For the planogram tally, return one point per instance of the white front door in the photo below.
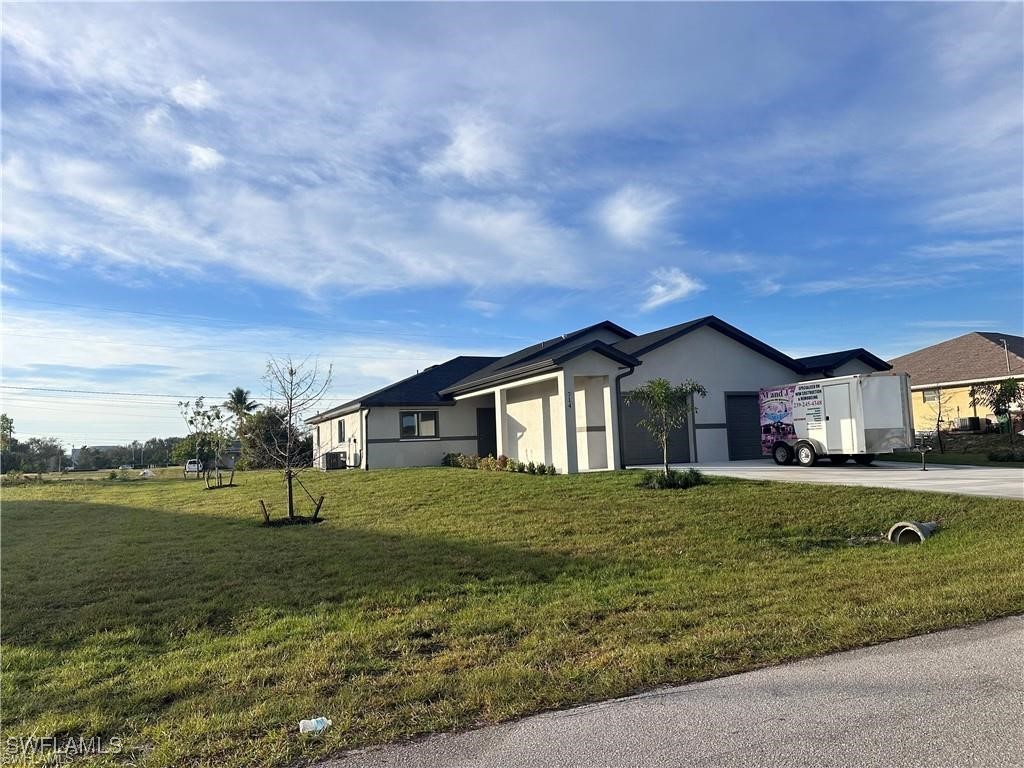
(838, 424)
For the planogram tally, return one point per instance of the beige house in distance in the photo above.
(561, 401)
(942, 375)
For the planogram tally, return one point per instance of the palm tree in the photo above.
(239, 404)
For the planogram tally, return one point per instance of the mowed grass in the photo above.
(435, 599)
(934, 457)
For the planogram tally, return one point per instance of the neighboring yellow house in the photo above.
(941, 377)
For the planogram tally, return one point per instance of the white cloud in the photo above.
(669, 285)
(203, 158)
(329, 184)
(195, 95)
(952, 324)
(485, 308)
(155, 117)
(765, 286)
(634, 213)
(477, 151)
(511, 242)
(138, 353)
(998, 249)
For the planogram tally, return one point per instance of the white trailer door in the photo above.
(838, 422)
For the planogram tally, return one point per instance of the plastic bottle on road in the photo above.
(316, 725)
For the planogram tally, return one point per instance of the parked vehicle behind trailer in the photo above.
(845, 417)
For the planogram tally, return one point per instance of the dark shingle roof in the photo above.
(421, 389)
(638, 345)
(832, 360)
(969, 357)
(535, 356)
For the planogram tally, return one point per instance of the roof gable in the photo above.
(535, 356)
(422, 388)
(970, 357)
(832, 360)
(640, 345)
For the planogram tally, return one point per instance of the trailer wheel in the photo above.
(864, 459)
(805, 455)
(782, 454)
(839, 458)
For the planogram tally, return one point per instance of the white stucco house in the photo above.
(561, 401)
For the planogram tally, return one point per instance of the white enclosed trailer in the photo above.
(844, 417)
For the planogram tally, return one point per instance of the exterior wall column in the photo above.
(501, 420)
(567, 427)
(611, 424)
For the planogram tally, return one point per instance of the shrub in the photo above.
(16, 477)
(520, 467)
(674, 479)
(112, 475)
(469, 462)
(451, 460)
(542, 469)
(501, 463)
(531, 468)
(1006, 455)
(552, 470)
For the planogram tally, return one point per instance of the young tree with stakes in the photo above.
(294, 388)
(940, 407)
(212, 434)
(668, 408)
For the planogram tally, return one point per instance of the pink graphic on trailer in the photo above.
(776, 405)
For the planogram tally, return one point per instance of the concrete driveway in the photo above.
(948, 699)
(1006, 482)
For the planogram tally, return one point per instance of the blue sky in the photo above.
(189, 188)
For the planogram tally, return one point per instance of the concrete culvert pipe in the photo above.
(910, 532)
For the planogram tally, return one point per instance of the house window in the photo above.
(417, 424)
(341, 430)
(930, 395)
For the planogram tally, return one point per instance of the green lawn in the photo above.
(434, 599)
(934, 457)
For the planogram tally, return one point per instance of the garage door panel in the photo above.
(638, 447)
(743, 427)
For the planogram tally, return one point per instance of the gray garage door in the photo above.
(638, 447)
(743, 426)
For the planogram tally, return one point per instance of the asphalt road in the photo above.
(949, 699)
(1005, 482)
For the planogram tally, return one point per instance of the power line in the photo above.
(243, 323)
(69, 392)
(94, 392)
(179, 348)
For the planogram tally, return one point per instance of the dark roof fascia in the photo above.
(541, 366)
(345, 410)
(341, 410)
(540, 348)
(842, 358)
(601, 348)
(374, 398)
(734, 333)
(615, 328)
